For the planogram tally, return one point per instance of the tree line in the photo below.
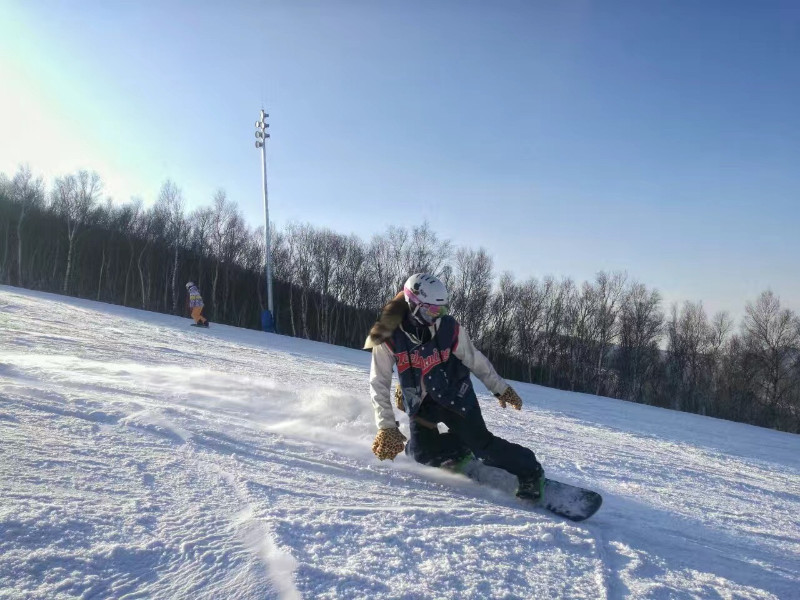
(611, 336)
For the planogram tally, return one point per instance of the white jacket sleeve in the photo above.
(380, 384)
(476, 362)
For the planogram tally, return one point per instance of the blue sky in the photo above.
(660, 138)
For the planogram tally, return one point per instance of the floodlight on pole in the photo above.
(268, 320)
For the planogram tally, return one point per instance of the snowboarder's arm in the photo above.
(380, 383)
(467, 353)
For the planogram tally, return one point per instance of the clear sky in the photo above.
(660, 138)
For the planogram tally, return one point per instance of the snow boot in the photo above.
(456, 465)
(531, 488)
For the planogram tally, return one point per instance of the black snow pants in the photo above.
(465, 433)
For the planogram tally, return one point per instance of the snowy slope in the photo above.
(143, 458)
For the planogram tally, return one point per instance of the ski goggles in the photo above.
(431, 312)
(428, 312)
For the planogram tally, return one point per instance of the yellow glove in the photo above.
(398, 399)
(510, 397)
(388, 443)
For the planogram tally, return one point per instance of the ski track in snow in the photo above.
(142, 458)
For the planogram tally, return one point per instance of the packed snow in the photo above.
(143, 458)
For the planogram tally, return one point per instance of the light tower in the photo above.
(268, 319)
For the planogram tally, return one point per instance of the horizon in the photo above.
(623, 138)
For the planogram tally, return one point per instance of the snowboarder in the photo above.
(194, 302)
(434, 357)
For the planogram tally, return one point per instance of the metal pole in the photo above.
(268, 252)
(267, 317)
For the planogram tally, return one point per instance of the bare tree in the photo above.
(426, 252)
(687, 335)
(772, 341)
(355, 285)
(27, 193)
(237, 235)
(127, 222)
(251, 259)
(333, 248)
(498, 340)
(529, 323)
(562, 342)
(609, 290)
(171, 204)
(74, 198)
(581, 326)
(105, 221)
(641, 329)
(222, 217)
(147, 227)
(304, 249)
(200, 228)
(284, 255)
(324, 264)
(390, 262)
(471, 289)
(5, 201)
(552, 324)
(398, 254)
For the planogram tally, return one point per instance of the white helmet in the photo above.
(427, 298)
(189, 284)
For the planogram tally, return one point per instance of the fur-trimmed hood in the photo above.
(391, 317)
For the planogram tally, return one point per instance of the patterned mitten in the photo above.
(510, 397)
(388, 443)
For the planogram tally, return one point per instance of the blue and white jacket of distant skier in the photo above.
(439, 368)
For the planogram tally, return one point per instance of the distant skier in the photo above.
(434, 357)
(194, 302)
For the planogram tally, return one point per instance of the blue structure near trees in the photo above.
(267, 322)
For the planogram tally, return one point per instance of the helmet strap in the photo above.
(418, 319)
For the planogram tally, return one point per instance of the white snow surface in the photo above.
(143, 458)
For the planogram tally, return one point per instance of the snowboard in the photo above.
(198, 325)
(568, 501)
